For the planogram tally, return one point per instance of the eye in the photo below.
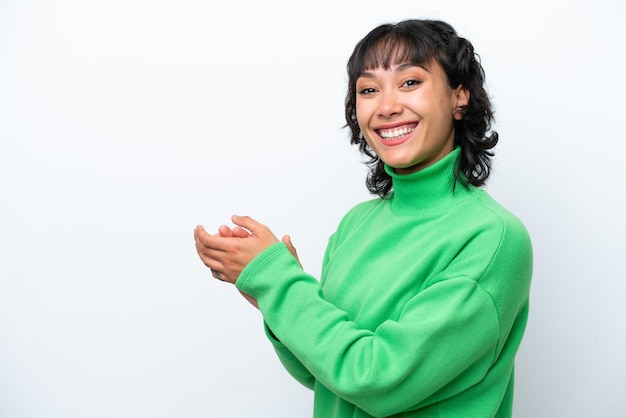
(367, 90)
(412, 82)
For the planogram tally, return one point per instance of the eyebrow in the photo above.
(400, 67)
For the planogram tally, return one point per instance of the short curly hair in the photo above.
(420, 42)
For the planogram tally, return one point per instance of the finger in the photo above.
(198, 230)
(241, 232)
(212, 249)
(287, 241)
(207, 240)
(225, 231)
(199, 233)
(250, 224)
(210, 258)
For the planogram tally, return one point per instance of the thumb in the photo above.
(287, 241)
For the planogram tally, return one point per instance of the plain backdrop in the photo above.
(125, 123)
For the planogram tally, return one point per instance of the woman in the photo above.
(423, 298)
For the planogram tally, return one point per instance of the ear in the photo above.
(462, 99)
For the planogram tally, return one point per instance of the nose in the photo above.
(389, 105)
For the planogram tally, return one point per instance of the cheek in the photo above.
(363, 112)
(361, 122)
(359, 113)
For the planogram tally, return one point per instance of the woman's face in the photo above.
(406, 114)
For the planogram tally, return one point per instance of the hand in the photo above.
(224, 231)
(230, 250)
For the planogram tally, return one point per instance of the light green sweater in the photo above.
(421, 308)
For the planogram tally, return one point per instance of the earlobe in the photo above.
(462, 99)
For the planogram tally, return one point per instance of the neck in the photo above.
(433, 188)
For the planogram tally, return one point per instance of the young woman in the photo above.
(423, 298)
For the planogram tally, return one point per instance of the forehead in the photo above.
(398, 70)
(391, 51)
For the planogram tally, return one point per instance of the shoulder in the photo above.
(487, 235)
(506, 224)
(482, 216)
(500, 238)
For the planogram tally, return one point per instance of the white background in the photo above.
(123, 124)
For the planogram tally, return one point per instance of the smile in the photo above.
(397, 132)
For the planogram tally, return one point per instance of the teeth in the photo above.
(396, 133)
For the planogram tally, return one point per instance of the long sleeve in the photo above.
(444, 340)
(420, 309)
(290, 362)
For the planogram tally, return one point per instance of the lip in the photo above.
(397, 140)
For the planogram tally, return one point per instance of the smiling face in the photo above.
(406, 114)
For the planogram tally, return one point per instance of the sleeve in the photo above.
(289, 361)
(443, 342)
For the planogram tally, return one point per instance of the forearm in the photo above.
(291, 363)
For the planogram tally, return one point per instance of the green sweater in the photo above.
(420, 309)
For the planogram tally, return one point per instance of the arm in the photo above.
(445, 340)
(432, 350)
(290, 362)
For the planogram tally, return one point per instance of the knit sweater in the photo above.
(420, 309)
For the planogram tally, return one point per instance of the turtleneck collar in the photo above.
(430, 189)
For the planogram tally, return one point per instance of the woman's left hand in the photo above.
(227, 253)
